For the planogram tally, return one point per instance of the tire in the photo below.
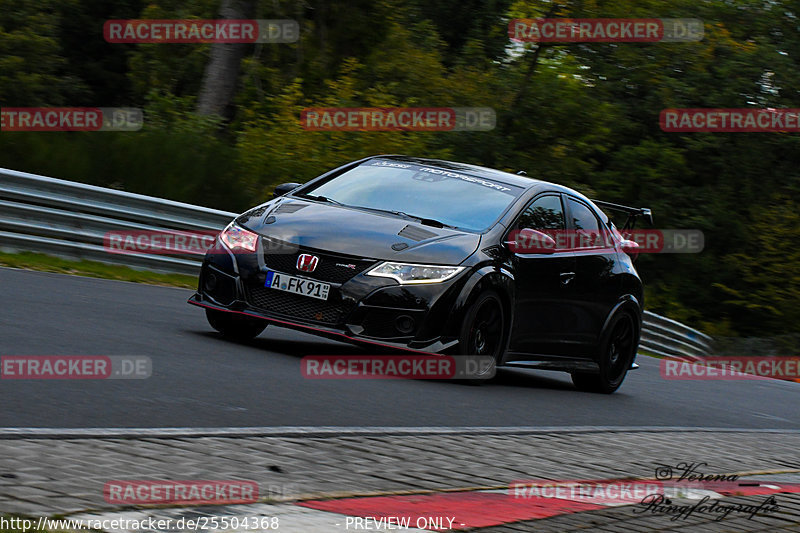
(234, 326)
(484, 331)
(616, 357)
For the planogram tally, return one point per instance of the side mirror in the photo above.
(631, 248)
(285, 188)
(531, 241)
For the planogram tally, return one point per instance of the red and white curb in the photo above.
(435, 512)
(486, 508)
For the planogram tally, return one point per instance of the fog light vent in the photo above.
(404, 324)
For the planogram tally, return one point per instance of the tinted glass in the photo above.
(586, 225)
(466, 201)
(544, 213)
(582, 217)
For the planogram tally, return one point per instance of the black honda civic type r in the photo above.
(425, 255)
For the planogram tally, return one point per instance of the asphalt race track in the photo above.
(201, 380)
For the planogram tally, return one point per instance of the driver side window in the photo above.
(544, 213)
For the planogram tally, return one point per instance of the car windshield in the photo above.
(451, 198)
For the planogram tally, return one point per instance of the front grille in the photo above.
(327, 269)
(291, 305)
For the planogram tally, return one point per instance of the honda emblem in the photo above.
(307, 262)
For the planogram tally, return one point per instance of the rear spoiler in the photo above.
(633, 212)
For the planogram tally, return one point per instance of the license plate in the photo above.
(295, 285)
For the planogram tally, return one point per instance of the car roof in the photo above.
(507, 178)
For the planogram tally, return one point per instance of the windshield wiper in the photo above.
(321, 198)
(431, 222)
(422, 220)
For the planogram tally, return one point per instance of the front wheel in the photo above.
(234, 326)
(484, 332)
(615, 359)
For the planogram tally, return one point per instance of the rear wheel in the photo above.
(484, 331)
(615, 360)
(235, 326)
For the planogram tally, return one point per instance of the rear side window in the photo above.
(544, 213)
(587, 227)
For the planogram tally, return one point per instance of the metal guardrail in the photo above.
(669, 338)
(70, 219)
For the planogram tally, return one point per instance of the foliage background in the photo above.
(583, 115)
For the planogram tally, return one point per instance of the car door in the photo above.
(595, 289)
(541, 315)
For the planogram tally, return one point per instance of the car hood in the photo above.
(358, 233)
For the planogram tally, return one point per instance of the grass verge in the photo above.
(93, 269)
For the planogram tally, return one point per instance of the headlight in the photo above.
(410, 273)
(235, 237)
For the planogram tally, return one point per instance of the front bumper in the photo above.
(361, 309)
